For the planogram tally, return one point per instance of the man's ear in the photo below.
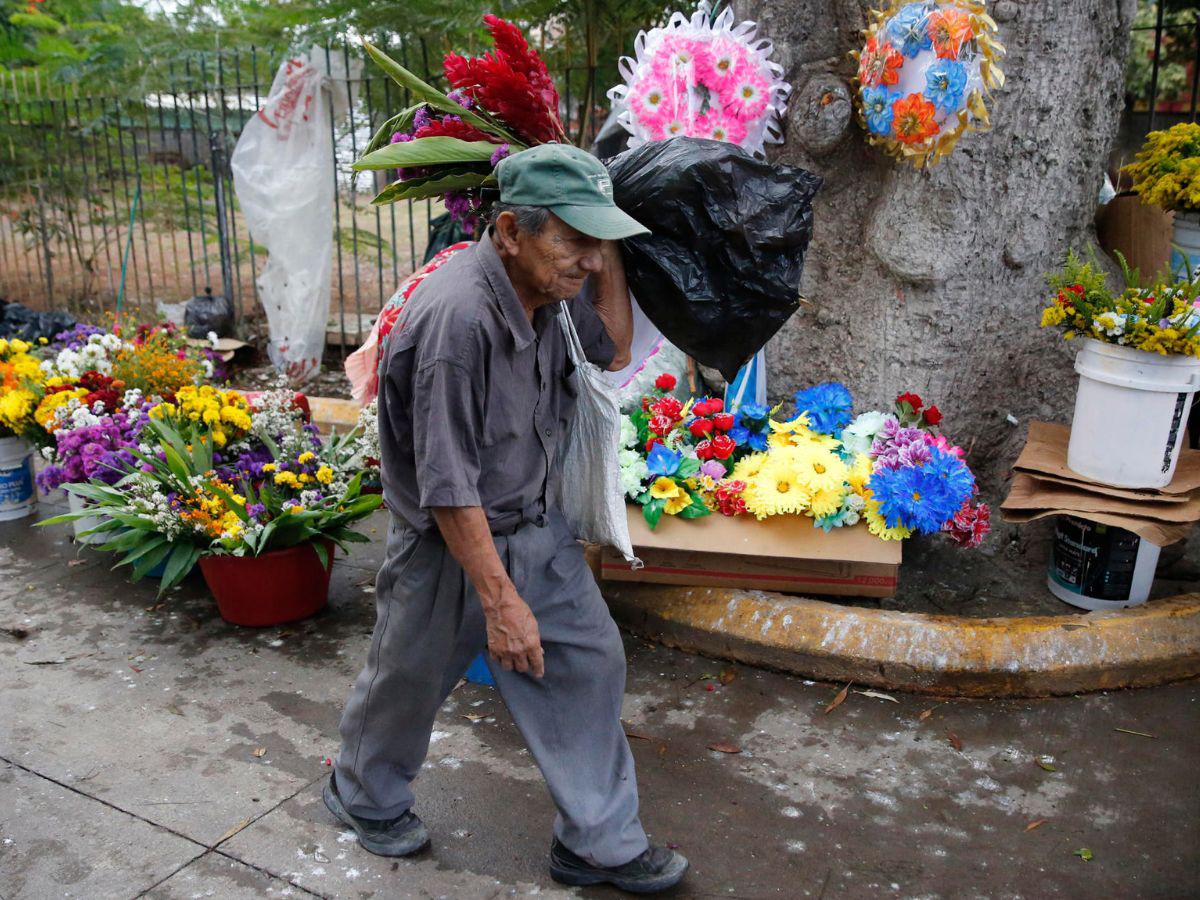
(506, 229)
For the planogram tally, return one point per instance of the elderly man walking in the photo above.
(475, 398)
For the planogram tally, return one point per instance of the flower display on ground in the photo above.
(895, 471)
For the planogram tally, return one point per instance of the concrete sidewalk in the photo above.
(153, 750)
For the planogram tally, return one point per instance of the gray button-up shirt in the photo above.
(474, 399)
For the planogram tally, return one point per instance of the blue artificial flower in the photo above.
(754, 412)
(740, 435)
(877, 108)
(662, 461)
(908, 29)
(923, 497)
(758, 441)
(828, 407)
(945, 82)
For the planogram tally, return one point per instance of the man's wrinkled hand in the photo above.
(513, 638)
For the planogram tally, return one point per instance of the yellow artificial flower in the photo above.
(748, 467)
(860, 473)
(825, 502)
(776, 491)
(878, 525)
(665, 488)
(675, 505)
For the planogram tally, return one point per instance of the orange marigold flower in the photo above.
(949, 29)
(912, 119)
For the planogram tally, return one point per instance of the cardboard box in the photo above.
(1140, 232)
(780, 553)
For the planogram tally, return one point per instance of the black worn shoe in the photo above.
(401, 836)
(655, 870)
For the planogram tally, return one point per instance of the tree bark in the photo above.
(933, 281)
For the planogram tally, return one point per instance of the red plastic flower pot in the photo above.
(279, 586)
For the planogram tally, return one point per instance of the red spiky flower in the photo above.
(511, 83)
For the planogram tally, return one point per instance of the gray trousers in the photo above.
(430, 626)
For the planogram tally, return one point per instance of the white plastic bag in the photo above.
(283, 174)
(591, 496)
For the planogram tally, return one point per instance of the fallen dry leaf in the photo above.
(19, 633)
(174, 710)
(725, 748)
(476, 717)
(1036, 823)
(955, 741)
(636, 735)
(878, 695)
(72, 563)
(1136, 733)
(839, 699)
(260, 752)
(727, 675)
(926, 714)
(234, 830)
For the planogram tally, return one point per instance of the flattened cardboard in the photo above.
(1045, 453)
(1141, 232)
(1030, 492)
(781, 553)
(1027, 501)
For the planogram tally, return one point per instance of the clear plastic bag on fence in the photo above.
(283, 175)
(591, 497)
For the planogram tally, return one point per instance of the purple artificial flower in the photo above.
(502, 151)
(712, 469)
(897, 447)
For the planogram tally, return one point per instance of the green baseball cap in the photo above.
(572, 183)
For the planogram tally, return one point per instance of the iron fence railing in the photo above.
(96, 191)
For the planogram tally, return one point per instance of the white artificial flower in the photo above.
(859, 435)
(213, 339)
(628, 432)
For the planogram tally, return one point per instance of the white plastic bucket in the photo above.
(1185, 245)
(1096, 566)
(1130, 413)
(18, 499)
(78, 504)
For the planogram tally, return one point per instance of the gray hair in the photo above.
(530, 219)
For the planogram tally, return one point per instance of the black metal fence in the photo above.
(104, 202)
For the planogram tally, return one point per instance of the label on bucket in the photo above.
(1176, 421)
(1092, 559)
(16, 486)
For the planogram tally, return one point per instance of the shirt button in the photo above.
(547, 432)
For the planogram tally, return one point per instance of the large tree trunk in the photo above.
(931, 281)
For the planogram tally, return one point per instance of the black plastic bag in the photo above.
(206, 313)
(720, 273)
(21, 322)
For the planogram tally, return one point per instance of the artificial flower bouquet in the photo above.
(446, 145)
(1164, 318)
(1166, 171)
(276, 485)
(895, 470)
(21, 390)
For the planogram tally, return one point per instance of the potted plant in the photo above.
(1139, 367)
(1166, 173)
(21, 387)
(264, 544)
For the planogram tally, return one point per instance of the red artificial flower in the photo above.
(660, 424)
(729, 499)
(454, 127)
(716, 405)
(700, 427)
(667, 406)
(879, 63)
(724, 420)
(650, 443)
(511, 83)
(665, 382)
(933, 416)
(913, 119)
(646, 404)
(704, 450)
(723, 446)
(912, 400)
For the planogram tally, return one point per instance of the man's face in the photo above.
(553, 264)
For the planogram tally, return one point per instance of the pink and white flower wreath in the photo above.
(696, 78)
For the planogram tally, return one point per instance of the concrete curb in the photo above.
(946, 655)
